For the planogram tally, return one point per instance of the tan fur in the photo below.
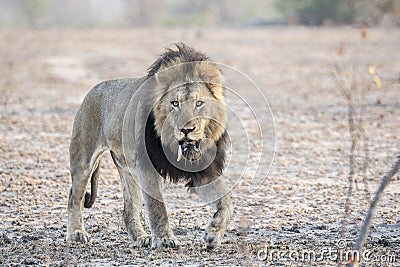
(98, 127)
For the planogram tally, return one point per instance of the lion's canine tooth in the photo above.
(197, 146)
(179, 153)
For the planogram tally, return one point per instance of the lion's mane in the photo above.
(153, 144)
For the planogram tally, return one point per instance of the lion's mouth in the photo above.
(188, 148)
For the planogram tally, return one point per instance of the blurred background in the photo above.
(167, 13)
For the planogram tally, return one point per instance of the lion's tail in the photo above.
(91, 197)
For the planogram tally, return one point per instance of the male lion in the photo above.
(179, 121)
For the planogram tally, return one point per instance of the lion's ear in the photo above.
(164, 78)
(152, 89)
(212, 75)
(217, 91)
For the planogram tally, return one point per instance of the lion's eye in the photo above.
(175, 103)
(199, 103)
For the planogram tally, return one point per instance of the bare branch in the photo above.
(365, 164)
(367, 223)
(348, 96)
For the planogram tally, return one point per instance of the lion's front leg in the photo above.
(162, 235)
(218, 224)
(216, 194)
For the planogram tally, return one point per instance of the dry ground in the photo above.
(300, 205)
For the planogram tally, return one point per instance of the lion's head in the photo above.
(189, 116)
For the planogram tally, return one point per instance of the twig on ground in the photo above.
(367, 223)
(243, 245)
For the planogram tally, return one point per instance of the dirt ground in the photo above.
(298, 208)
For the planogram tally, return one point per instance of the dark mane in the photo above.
(170, 57)
(168, 171)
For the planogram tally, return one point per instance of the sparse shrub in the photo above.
(34, 10)
(318, 12)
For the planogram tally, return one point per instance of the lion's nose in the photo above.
(186, 131)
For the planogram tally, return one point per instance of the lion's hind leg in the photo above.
(133, 201)
(83, 166)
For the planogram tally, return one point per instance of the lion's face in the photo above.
(190, 117)
(193, 120)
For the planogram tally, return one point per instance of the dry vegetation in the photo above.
(300, 206)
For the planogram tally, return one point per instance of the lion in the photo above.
(179, 120)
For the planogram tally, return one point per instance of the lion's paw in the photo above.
(79, 236)
(213, 239)
(167, 242)
(144, 241)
